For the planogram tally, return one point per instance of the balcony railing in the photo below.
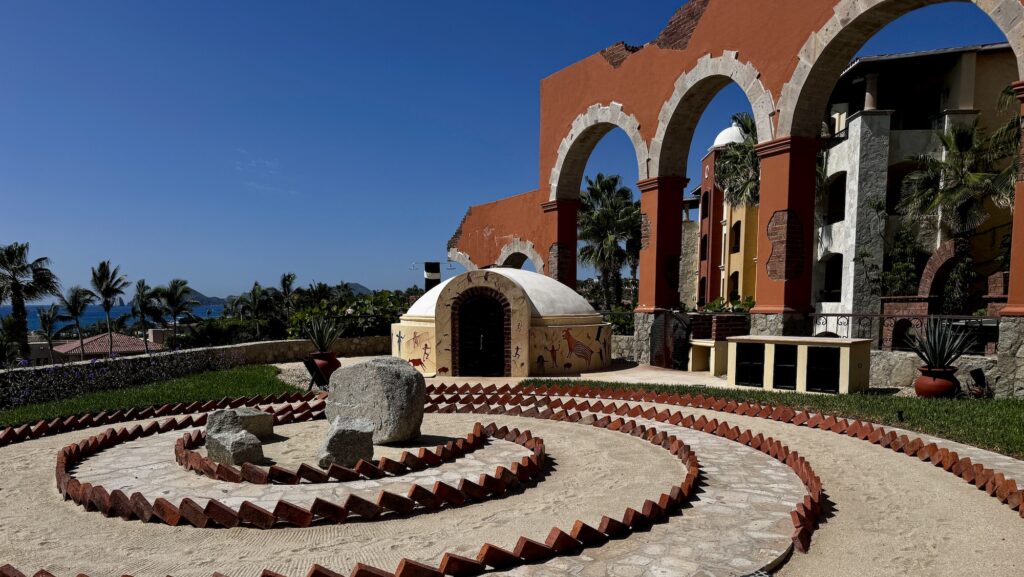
(891, 332)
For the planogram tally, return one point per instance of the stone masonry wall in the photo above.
(898, 369)
(623, 348)
(689, 264)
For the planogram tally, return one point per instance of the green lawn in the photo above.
(237, 382)
(997, 425)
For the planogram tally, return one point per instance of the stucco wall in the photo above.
(569, 350)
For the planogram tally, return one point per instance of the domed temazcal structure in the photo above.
(502, 322)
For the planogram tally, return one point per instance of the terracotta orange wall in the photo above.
(646, 79)
(489, 227)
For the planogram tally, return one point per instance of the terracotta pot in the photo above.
(936, 382)
(326, 362)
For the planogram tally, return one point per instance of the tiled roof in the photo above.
(100, 345)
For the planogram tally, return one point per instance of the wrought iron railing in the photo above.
(891, 332)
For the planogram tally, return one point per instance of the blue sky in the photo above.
(227, 142)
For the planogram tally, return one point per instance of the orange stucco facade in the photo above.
(786, 56)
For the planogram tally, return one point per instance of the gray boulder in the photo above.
(241, 419)
(386, 391)
(234, 448)
(348, 440)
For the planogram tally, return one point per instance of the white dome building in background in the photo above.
(502, 322)
(732, 135)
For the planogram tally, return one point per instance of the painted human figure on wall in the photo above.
(426, 351)
(399, 337)
(553, 350)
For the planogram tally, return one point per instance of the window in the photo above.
(734, 286)
(737, 237)
(832, 290)
(704, 205)
(704, 247)
(835, 209)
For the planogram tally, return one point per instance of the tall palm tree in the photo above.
(1005, 143)
(107, 285)
(24, 281)
(145, 306)
(75, 303)
(8, 349)
(287, 292)
(953, 190)
(177, 301)
(253, 304)
(737, 167)
(48, 319)
(608, 217)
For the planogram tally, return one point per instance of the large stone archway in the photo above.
(692, 92)
(828, 50)
(517, 252)
(587, 130)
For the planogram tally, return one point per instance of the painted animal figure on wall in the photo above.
(577, 347)
(417, 364)
(442, 371)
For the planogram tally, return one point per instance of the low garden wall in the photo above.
(622, 348)
(898, 369)
(27, 385)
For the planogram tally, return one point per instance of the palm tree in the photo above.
(48, 319)
(8, 349)
(737, 167)
(75, 303)
(287, 293)
(24, 281)
(107, 285)
(145, 306)
(608, 217)
(953, 190)
(1005, 143)
(253, 303)
(176, 301)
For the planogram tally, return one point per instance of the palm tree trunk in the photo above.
(145, 335)
(20, 317)
(49, 343)
(110, 335)
(81, 340)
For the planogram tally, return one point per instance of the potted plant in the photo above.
(322, 332)
(941, 346)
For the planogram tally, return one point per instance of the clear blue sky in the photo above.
(226, 142)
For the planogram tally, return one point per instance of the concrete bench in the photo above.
(802, 364)
(708, 355)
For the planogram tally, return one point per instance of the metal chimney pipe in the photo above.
(431, 275)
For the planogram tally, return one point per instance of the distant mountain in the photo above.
(358, 288)
(205, 300)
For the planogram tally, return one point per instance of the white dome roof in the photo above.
(547, 296)
(732, 135)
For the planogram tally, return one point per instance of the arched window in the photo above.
(704, 247)
(704, 205)
(702, 288)
(737, 237)
(734, 286)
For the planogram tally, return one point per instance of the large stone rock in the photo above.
(234, 448)
(348, 440)
(241, 419)
(386, 391)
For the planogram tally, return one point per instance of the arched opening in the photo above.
(832, 279)
(734, 286)
(481, 330)
(894, 183)
(901, 331)
(736, 237)
(704, 247)
(702, 288)
(835, 199)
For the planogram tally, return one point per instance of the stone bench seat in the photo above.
(801, 364)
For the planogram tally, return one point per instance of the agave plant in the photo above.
(322, 332)
(942, 344)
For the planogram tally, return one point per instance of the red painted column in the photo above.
(661, 205)
(561, 263)
(785, 238)
(1015, 294)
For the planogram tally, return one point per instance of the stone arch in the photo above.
(827, 52)
(457, 256)
(586, 131)
(693, 91)
(520, 314)
(943, 255)
(517, 251)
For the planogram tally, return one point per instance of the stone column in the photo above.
(785, 238)
(1009, 370)
(661, 206)
(561, 255)
(871, 91)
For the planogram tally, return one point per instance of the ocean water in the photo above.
(95, 314)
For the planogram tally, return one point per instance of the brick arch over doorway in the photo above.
(788, 78)
(457, 303)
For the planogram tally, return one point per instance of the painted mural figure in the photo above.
(554, 354)
(577, 347)
(399, 337)
(426, 351)
(516, 355)
(541, 361)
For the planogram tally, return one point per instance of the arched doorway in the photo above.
(481, 327)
